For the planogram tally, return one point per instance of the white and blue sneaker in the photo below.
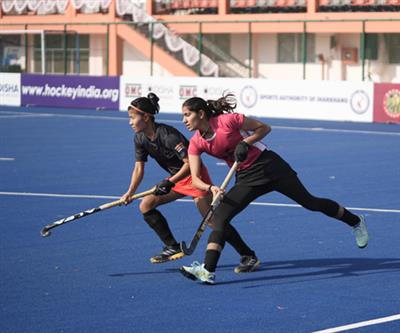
(361, 233)
(196, 271)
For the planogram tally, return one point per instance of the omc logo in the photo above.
(133, 90)
(187, 92)
(391, 103)
(248, 96)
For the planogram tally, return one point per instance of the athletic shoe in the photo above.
(168, 253)
(196, 271)
(361, 233)
(247, 264)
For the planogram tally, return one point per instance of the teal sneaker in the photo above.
(196, 271)
(361, 233)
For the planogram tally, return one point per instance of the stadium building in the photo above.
(352, 40)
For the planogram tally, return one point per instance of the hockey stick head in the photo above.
(45, 232)
(185, 249)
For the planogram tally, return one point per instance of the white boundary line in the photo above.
(333, 130)
(53, 195)
(7, 159)
(292, 128)
(360, 324)
(90, 196)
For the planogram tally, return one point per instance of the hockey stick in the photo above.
(46, 230)
(199, 232)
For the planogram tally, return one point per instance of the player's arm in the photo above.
(136, 179)
(195, 170)
(182, 173)
(175, 142)
(259, 129)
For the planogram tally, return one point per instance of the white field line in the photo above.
(31, 114)
(291, 128)
(333, 130)
(89, 196)
(23, 116)
(360, 324)
(7, 159)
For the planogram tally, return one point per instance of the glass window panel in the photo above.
(286, 48)
(75, 63)
(290, 48)
(392, 42)
(371, 47)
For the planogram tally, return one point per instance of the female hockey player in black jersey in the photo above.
(169, 147)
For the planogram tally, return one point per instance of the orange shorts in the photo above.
(185, 186)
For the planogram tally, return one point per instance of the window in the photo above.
(77, 54)
(10, 53)
(290, 48)
(371, 47)
(392, 42)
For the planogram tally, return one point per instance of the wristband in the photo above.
(209, 188)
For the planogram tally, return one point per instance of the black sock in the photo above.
(211, 260)
(349, 218)
(159, 224)
(233, 238)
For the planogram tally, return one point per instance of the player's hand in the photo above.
(241, 151)
(126, 198)
(164, 187)
(215, 190)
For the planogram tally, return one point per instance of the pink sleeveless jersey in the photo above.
(227, 134)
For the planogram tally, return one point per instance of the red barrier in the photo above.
(387, 103)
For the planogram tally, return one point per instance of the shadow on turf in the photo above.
(310, 269)
(307, 268)
(165, 271)
(317, 268)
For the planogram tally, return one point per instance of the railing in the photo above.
(189, 7)
(229, 66)
(45, 7)
(165, 38)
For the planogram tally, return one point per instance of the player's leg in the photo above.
(159, 224)
(249, 261)
(237, 198)
(294, 189)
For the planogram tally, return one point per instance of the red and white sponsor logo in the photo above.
(133, 90)
(187, 92)
(391, 103)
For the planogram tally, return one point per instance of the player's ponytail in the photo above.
(154, 101)
(226, 104)
(147, 104)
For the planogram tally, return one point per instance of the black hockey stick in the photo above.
(46, 230)
(203, 225)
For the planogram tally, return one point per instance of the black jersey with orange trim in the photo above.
(168, 148)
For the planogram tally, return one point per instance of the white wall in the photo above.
(97, 53)
(265, 54)
(134, 63)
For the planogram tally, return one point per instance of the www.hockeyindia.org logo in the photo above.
(391, 103)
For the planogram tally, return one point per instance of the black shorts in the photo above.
(267, 168)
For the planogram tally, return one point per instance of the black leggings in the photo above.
(240, 196)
